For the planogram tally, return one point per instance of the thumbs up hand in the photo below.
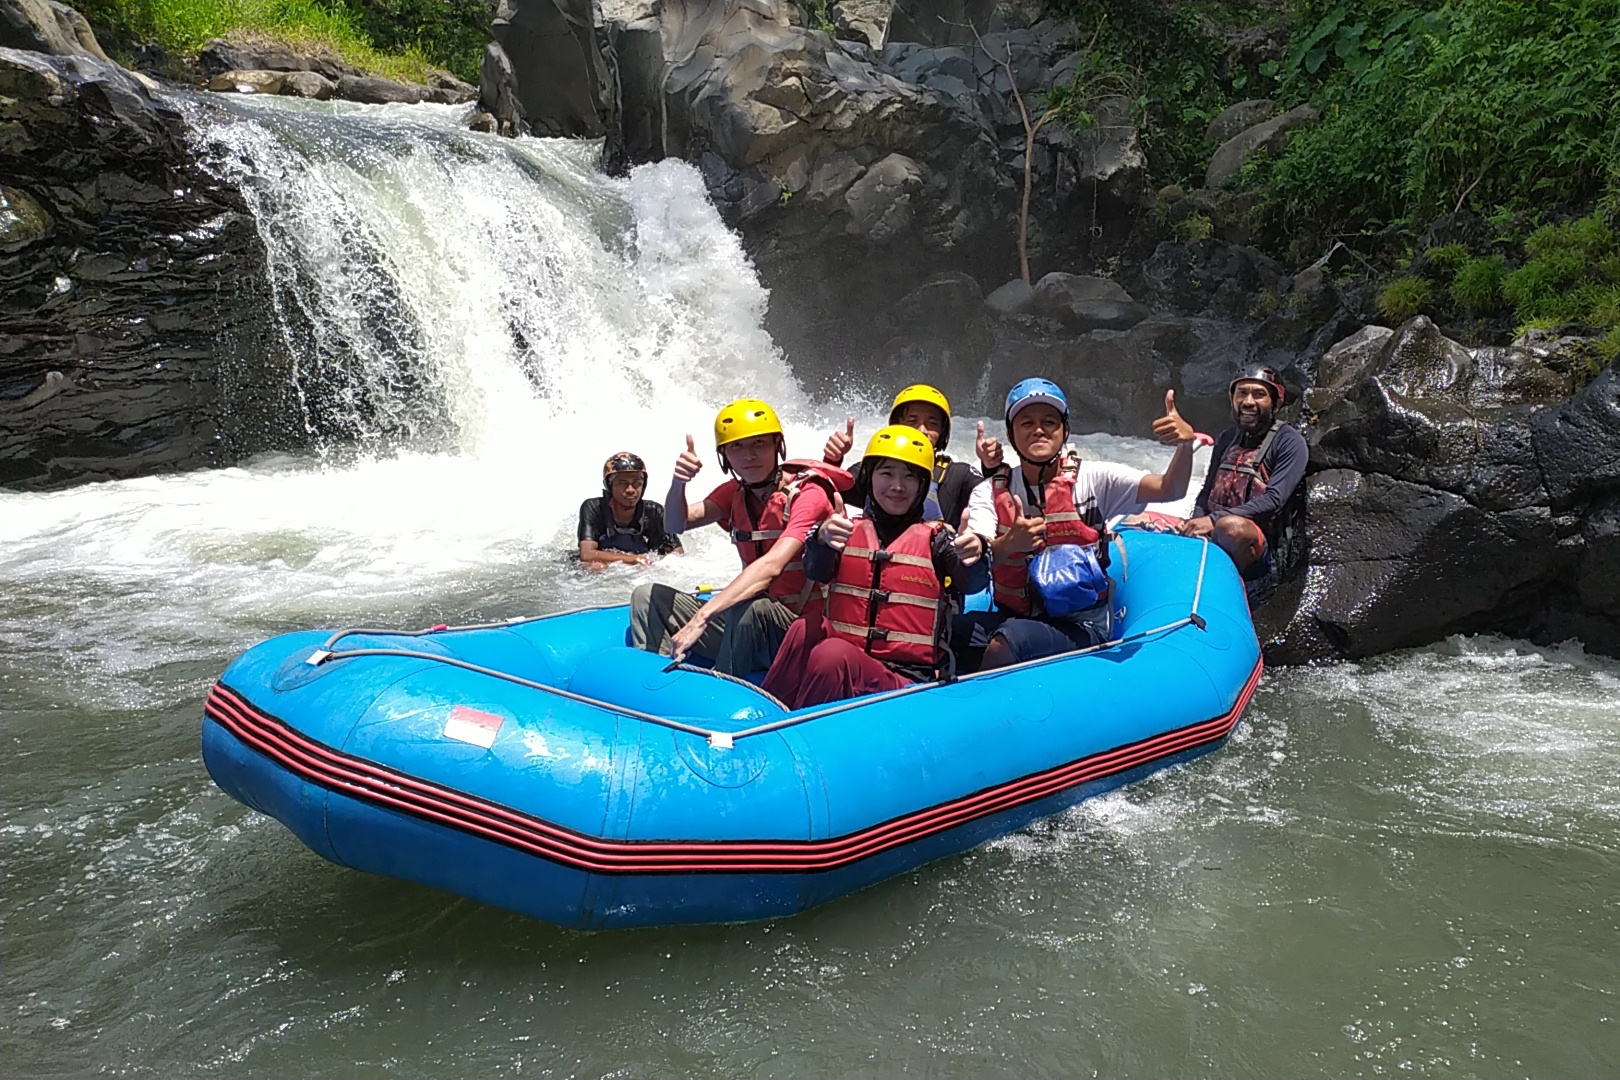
(688, 464)
(1028, 533)
(988, 448)
(839, 443)
(1170, 429)
(968, 544)
(836, 530)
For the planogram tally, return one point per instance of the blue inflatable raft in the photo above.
(542, 766)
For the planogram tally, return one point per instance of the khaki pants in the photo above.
(745, 640)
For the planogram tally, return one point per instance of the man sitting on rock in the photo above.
(1252, 493)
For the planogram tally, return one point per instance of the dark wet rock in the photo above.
(219, 56)
(1452, 490)
(1271, 135)
(547, 71)
(939, 22)
(131, 316)
(1116, 379)
(376, 90)
(1086, 303)
(47, 26)
(1209, 277)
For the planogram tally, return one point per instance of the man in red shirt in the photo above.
(769, 505)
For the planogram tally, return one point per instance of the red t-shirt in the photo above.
(811, 506)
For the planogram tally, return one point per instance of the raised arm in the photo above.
(1171, 430)
(680, 515)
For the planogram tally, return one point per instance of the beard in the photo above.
(1254, 419)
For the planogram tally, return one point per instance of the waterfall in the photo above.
(438, 288)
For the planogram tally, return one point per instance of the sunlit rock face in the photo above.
(1454, 489)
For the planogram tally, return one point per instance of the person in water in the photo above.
(1054, 499)
(926, 409)
(619, 526)
(894, 573)
(1252, 501)
(769, 506)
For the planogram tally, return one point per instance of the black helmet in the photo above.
(1260, 373)
(622, 462)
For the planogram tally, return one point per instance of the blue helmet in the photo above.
(1036, 392)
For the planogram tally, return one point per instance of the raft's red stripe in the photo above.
(1038, 785)
(310, 760)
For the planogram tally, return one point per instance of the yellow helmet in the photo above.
(743, 420)
(928, 396)
(902, 443)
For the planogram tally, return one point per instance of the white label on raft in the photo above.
(471, 726)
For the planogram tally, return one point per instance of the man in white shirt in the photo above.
(1046, 482)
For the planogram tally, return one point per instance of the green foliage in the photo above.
(329, 26)
(1171, 58)
(1194, 227)
(1566, 278)
(1477, 285)
(1482, 103)
(450, 33)
(1448, 256)
(1403, 298)
(1608, 346)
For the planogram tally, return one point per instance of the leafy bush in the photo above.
(1403, 298)
(1537, 289)
(1608, 346)
(1174, 55)
(450, 33)
(1477, 285)
(1448, 256)
(1474, 103)
(1194, 227)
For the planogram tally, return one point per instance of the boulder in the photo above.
(1271, 135)
(1209, 277)
(219, 56)
(248, 82)
(939, 335)
(865, 21)
(135, 287)
(1014, 298)
(1452, 490)
(552, 64)
(376, 90)
(47, 26)
(1086, 303)
(307, 84)
(1236, 119)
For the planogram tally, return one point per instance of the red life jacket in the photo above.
(1009, 575)
(755, 537)
(890, 601)
(1242, 474)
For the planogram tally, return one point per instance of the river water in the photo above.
(1407, 866)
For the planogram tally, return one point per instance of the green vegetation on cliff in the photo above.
(403, 39)
(1473, 104)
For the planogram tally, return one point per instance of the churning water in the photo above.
(1406, 866)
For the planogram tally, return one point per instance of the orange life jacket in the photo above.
(1009, 575)
(755, 537)
(890, 601)
(1242, 474)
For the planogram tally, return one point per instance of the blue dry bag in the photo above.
(1068, 579)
